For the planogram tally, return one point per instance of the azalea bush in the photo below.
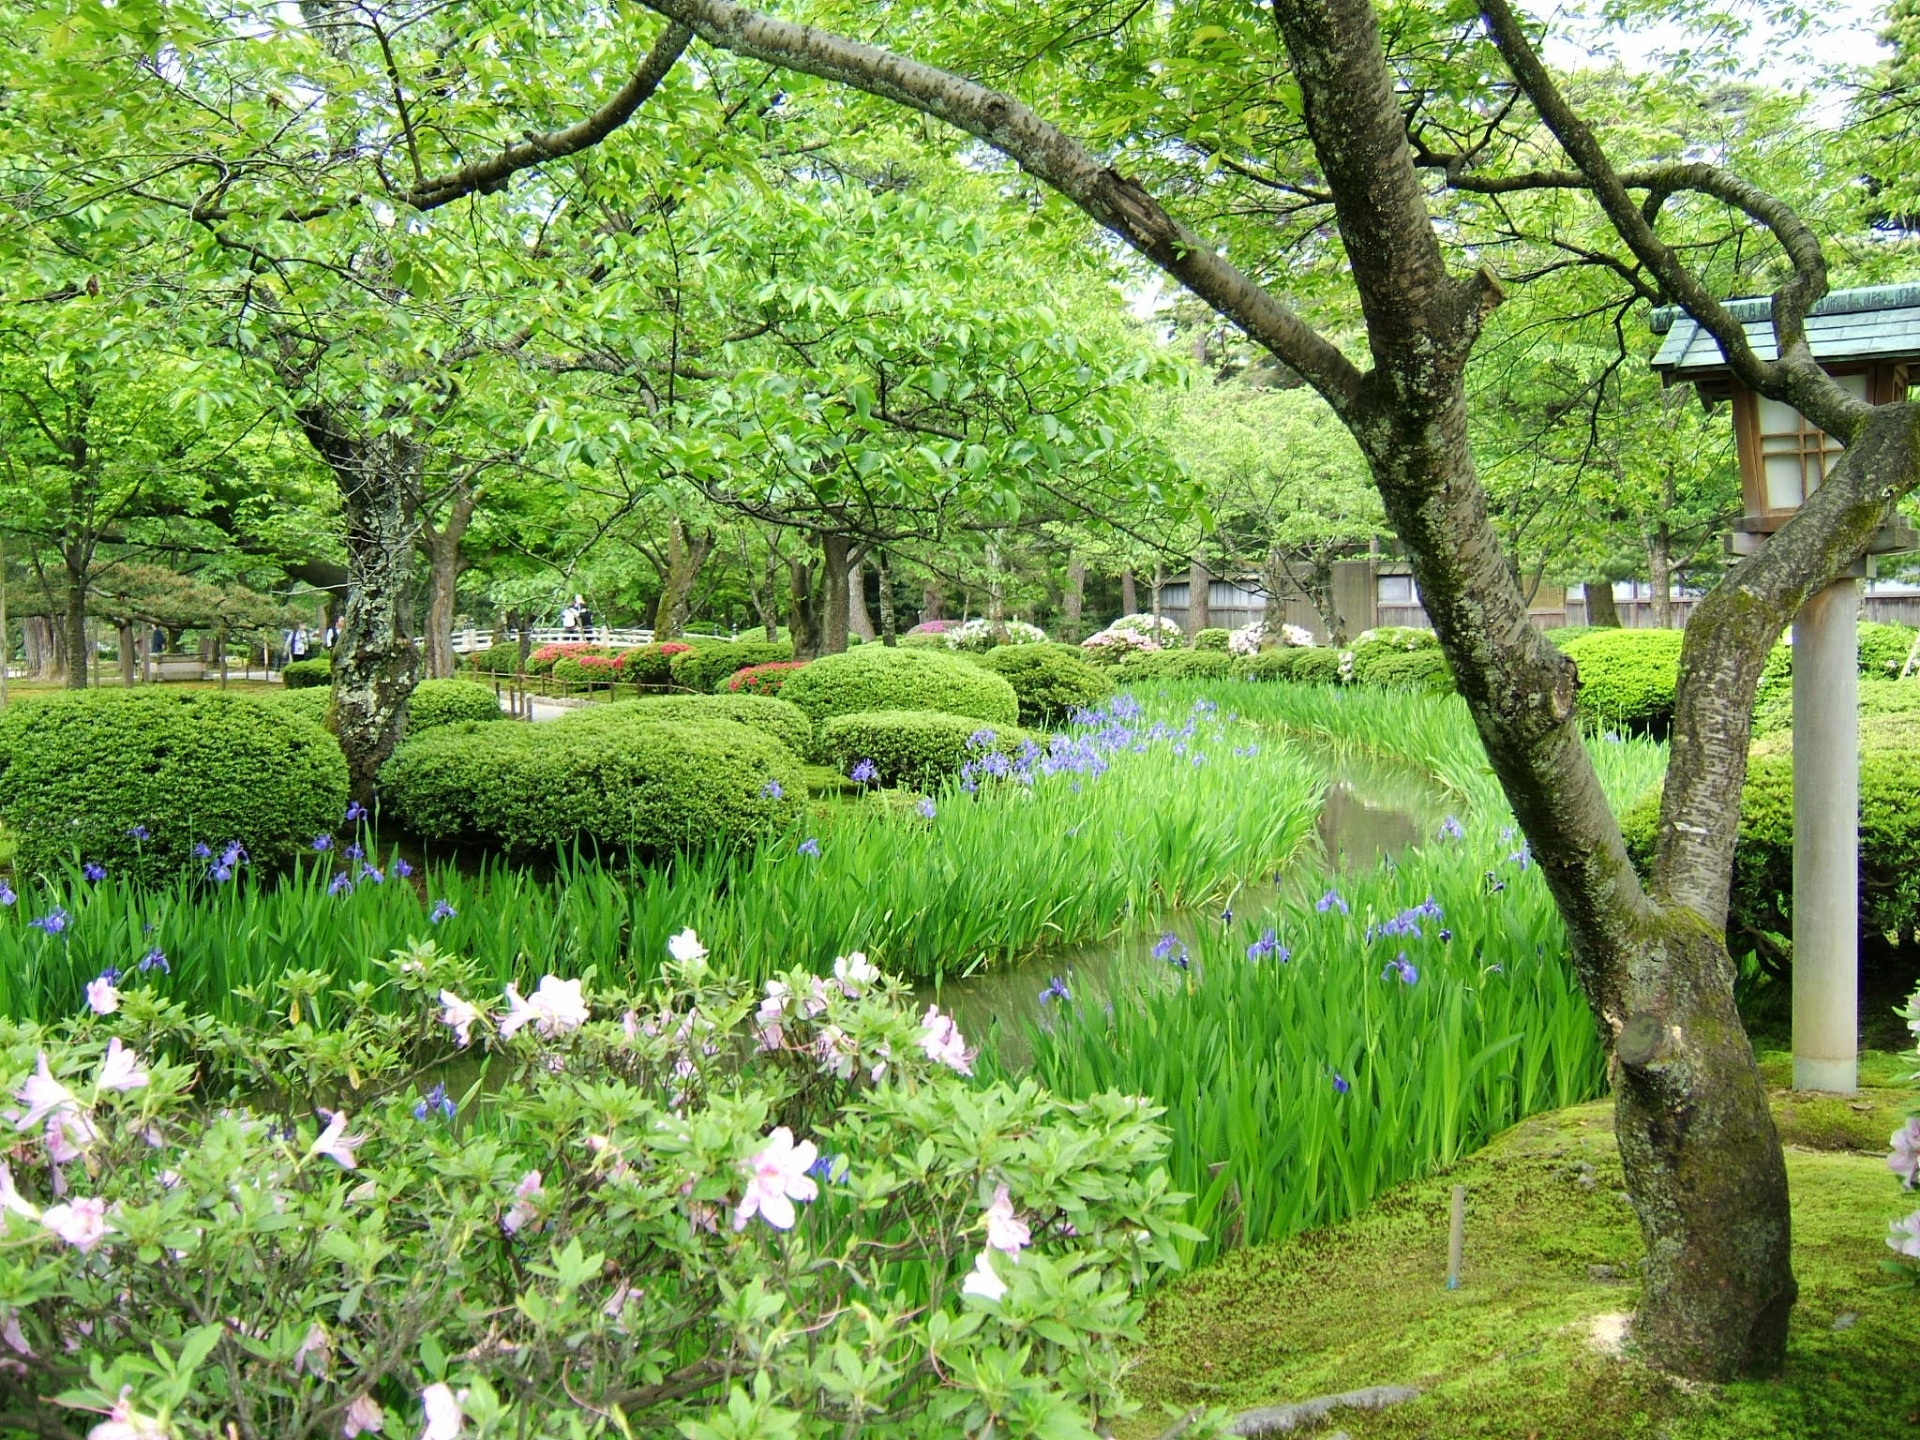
(983, 635)
(761, 679)
(1131, 634)
(1903, 1236)
(706, 1208)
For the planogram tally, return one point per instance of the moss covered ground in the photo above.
(1552, 1256)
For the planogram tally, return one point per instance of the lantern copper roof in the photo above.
(1878, 323)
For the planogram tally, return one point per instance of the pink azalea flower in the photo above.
(102, 997)
(776, 1177)
(363, 1417)
(981, 1280)
(1905, 1159)
(10, 1198)
(42, 1095)
(854, 973)
(443, 1413)
(1005, 1232)
(123, 1422)
(120, 1069)
(1905, 1239)
(525, 1207)
(315, 1352)
(81, 1223)
(69, 1133)
(334, 1142)
(458, 1016)
(942, 1041)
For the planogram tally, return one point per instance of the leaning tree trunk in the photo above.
(444, 564)
(1199, 598)
(835, 558)
(375, 663)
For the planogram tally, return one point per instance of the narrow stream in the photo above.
(1372, 812)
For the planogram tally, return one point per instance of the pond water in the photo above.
(1371, 813)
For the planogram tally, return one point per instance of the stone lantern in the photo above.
(1867, 340)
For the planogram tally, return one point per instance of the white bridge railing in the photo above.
(469, 641)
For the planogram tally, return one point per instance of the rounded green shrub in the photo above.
(784, 722)
(307, 674)
(1889, 708)
(1627, 676)
(1883, 649)
(879, 677)
(1426, 671)
(917, 748)
(1562, 634)
(922, 640)
(760, 679)
(1051, 681)
(1149, 665)
(1307, 664)
(1761, 898)
(501, 659)
(651, 789)
(586, 672)
(1212, 638)
(708, 668)
(307, 704)
(443, 702)
(80, 774)
(1384, 645)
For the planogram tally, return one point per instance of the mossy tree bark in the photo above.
(1702, 1157)
(441, 545)
(375, 662)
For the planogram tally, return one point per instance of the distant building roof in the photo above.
(1879, 322)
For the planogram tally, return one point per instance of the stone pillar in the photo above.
(1826, 841)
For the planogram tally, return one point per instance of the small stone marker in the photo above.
(1456, 1236)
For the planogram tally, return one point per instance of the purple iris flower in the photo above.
(356, 811)
(367, 872)
(864, 772)
(1268, 945)
(323, 842)
(137, 832)
(1340, 1086)
(441, 911)
(341, 884)
(1452, 829)
(1403, 967)
(200, 851)
(435, 1099)
(220, 874)
(1332, 901)
(772, 791)
(1171, 949)
(155, 959)
(354, 852)
(400, 868)
(53, 922)
(1056, 990)
(93, 872)
(926, 808)
(808, 846)
(7, 897)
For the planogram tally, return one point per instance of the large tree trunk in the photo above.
(73, 621)
(41, 647)
(1660, 572)
(1600, 607)
(1074, 603)
(859, 620)
(835, 559)
(1159, 582)
(933, 602)
(1199, 598)
(444, 564)
(375, 663)
(124, 643)
(801, 623)
(996, 594)
(889, 618)
(685, 556)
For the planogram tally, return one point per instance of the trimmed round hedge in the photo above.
(1302, 664)
(919, 748)
(646, 788)
(1627, 676)
(784, 722)
(760, 679)
(307, 704)
(1384, 648)
(79, 772)
(1425, 671)
(1148, 665)
(708, 668)
(1761, 898)
(1212, 638)
(1050, 681)
(307, 674)
(445, 702)
(880, 677)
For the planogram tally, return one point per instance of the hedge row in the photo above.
(879, 677)
(709, 668)
(307, 674)
(1049, 681)
(135, 779)
(776, 718)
